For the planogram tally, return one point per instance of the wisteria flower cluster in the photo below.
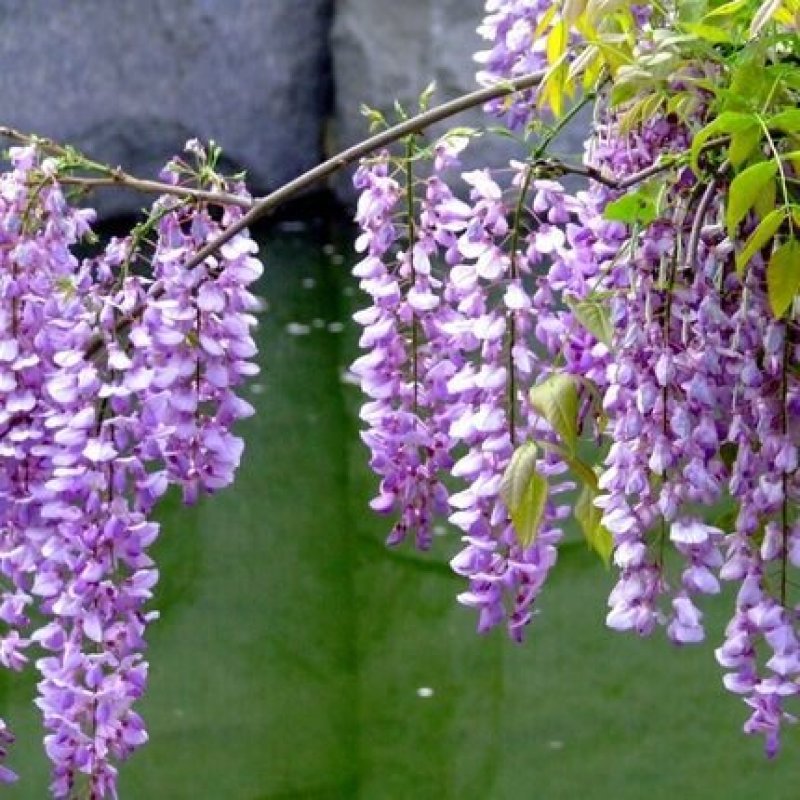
(115, 383)
(515, 323)
(650, 311)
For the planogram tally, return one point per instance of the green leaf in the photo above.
(580, 469)
(742, 145)
(556, 42)
(765, 201)
(691, 10)
(749, 84)
(622, 91)
(556, 399)
(594, 316)
(709, 33)
(426, 95)
(783, 277)
(375, 117)
(766, 229)
(524, 491)
(744, 190)
(588, 517)
(632, 208)
(786, 121)
(729, 122)
(572, 9)
(527, 516)
(727, 9)
(518, 474)
(727, 453)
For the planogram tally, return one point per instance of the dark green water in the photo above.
(297, 658)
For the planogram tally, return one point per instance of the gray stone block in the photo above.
(385, 49)
(129, 81)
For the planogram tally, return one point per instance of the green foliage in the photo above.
(524, 491)
(726, 125)
(735, 62)
(760, 237)
(588, 517)
(744, 190)
(783, 276)
(635, 208)
(594, 315)
(556, 399)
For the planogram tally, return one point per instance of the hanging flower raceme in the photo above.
(41, 320)
(109, 379)
(620, 312)
(506, 569)
(516, 31)
(405, 371)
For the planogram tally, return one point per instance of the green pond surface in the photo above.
(297, 657)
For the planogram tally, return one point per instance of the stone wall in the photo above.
(278, 83)
(128, 81)
(384, 49)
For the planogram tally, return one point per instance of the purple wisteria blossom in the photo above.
(89, 444)
(509, 27)
(402, 373)
(489, 283)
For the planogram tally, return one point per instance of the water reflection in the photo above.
(297, 658)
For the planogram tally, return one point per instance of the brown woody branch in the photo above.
(268, 204)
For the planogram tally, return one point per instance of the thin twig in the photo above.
(559, 167)
(117, 177)
(700, 215)
(120, 179)
(266, 205)
(383, 139)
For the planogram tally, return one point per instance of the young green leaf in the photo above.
(572, 9)
(527, 516)
(709, 33)
(787, 121)
(556, 42)
(727, 9)
(583, 62)
(588, 517)
(783, 276)
(691, 10)
(518, 474)
(729, 122)
(581, 470)
(554, 87)
(632, 208)
(744, 190)
(544, 22)
(556, 399)
(426, 95)
(524, 491)
(765, 200)
(766, 229)
(595, 317)
(743, 143)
